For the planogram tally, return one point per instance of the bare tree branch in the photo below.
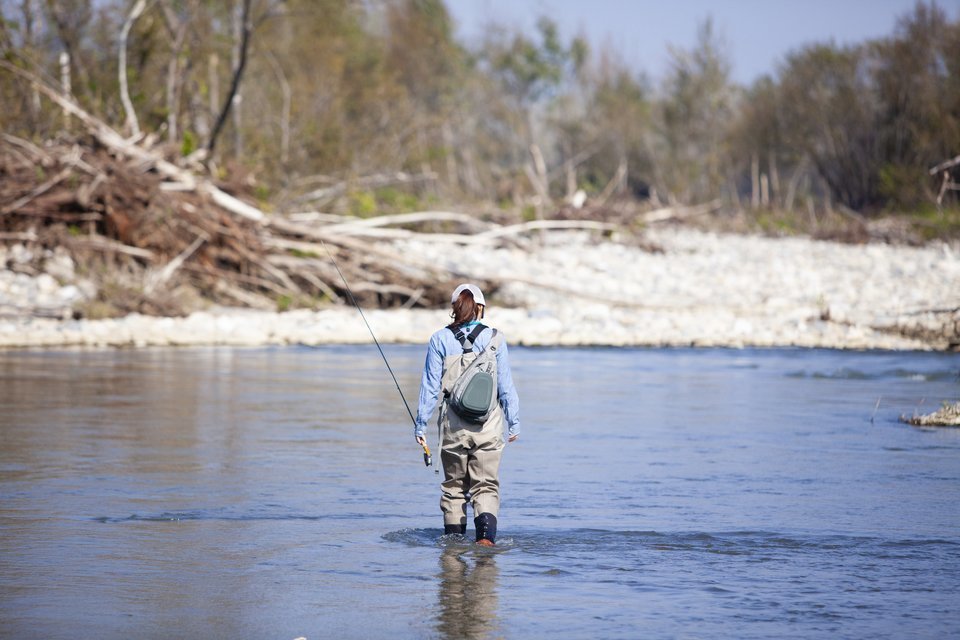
(247, 27)
(133, 126)
(177, 31)
(943, 166)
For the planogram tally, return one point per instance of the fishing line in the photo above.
(426, 450)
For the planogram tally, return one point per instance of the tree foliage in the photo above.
(336, 91)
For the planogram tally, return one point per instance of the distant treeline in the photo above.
(376, 106)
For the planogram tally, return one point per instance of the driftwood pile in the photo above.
(145, 238)
(948, 415)
(157, 235)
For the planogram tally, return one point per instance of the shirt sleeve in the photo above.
(429, 385)
(507, 392)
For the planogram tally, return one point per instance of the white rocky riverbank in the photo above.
(703, 289)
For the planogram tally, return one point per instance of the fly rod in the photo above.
(427, 458)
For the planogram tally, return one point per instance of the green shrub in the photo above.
(189, 144)
(397, 201)
(362, 204)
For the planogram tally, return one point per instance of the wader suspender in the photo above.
(466, 340)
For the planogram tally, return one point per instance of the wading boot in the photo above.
(449, 529)
(486, 524)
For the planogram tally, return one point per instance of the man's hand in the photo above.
(421, 441)
(513, 438)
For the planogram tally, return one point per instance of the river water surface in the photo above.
(278, 493)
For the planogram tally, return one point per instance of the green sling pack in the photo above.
(473, 395)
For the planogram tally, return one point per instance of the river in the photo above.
(278, 493)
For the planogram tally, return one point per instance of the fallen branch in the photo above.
(409, 218)
(403, 234)
(383, 259)
(364, 249)
(301, 268)
(518, 229)
(28, 236)
(106, 244)
(919, 312)
(948, 164)
(278, 274)
(248, 298)
(161, 277)
(232, 204)
(221, 275)
(86, 190)
(316, 216)
(36, 152)
(387, 289)
(679, 213)
(40, 190)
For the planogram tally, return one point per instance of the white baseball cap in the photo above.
(472, 288)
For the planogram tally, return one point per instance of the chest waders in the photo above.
(470, 452)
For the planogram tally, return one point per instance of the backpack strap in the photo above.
(466, 340)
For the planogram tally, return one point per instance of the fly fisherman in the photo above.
(471, 439)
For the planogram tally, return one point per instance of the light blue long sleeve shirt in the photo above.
(442, 344)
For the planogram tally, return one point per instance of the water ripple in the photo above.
(180, 516)
(724, 543)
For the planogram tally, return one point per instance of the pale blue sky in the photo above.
(757, 32)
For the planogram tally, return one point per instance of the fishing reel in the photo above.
(427, 456)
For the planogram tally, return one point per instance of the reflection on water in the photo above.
(279, 493)
(467, 593)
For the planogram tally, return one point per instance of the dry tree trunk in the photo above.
(177, 30)
(798, 173)
(946, 184)
(246, 27)
(453, 171)
(774, 180)
(285, 109)
(236, 111)
(617, 180)
(132, 125)
(65, 84)
(69, 38)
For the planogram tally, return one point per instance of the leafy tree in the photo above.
(694, 116)
(619, 114)
(531, 72)
(829, 111)
(428, 63)
(339, 90)
(918, 85)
